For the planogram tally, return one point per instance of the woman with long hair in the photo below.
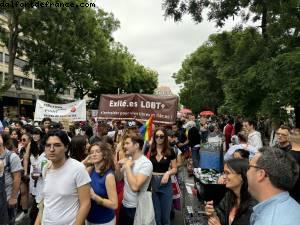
(77, 147)
(24, 188)
(35, 151)
(15, 134)
(236, 206)
(103, 185)
(164, 163)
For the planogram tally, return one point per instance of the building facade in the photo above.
(20, 99)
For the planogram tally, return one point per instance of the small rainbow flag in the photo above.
(146, 129)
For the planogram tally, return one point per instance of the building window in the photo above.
(5, 77)
(20, 63)
(1, 57)
(24, 82)
(6, 58)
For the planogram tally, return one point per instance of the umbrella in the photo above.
(206, 113)
(185, 110)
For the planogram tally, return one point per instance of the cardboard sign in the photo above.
(138, 106)
(74, 111)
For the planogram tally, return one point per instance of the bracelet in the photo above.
(101, 201)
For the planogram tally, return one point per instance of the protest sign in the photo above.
(138, 106)
(74, 111)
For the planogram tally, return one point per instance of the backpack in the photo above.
(3, 200)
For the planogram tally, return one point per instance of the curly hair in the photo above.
(107, 154)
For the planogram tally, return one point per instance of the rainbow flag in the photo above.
(146, 129)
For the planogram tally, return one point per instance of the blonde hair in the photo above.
(295, 136)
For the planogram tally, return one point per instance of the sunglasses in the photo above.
(160, 136)
(23, 139)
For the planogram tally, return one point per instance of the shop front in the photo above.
(14, 105)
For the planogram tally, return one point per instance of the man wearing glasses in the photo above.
(271, 174)
(283, 138)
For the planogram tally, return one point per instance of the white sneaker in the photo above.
(21, 217)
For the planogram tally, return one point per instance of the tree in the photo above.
(61, 45)
(267, 12)
(121, 71)
(10, 35)
(202, 88)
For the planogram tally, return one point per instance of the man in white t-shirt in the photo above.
(137, 176)
(254, 137)
(66, 186)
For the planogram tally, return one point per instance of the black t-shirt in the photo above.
(163, 165)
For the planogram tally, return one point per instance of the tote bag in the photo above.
(144, 214)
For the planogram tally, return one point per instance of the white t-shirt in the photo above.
(254, 139)
(61, 201)
(141, 166)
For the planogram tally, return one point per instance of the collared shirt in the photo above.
(254, 139)
(281, 209)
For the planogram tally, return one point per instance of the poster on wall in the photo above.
(74, 111)
(138, 106)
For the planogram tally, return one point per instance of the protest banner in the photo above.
(74, 111)
(138, 106)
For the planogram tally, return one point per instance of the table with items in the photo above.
(207, 188)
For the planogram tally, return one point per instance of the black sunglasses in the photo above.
(160, 136)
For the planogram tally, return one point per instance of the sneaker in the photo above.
(21, 217)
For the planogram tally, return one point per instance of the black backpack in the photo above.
(3, 206)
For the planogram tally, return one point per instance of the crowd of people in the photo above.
(96, 173)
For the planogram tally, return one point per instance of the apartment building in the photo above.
(20, 99)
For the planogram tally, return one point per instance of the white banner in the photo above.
(74, 111)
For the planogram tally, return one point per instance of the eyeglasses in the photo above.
(23, 140)
(160, 136)
(258, 167)
(254, 166)
(57, 145)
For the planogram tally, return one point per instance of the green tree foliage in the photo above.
(202, 88)
(10, 30)
(60, 44)
(258, 67)
(238, 64)
(267, 12)
(122, 72)
(74, 48)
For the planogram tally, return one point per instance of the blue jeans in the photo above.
(162, 200)
(196, 156)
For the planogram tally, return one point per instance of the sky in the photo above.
(157, 42)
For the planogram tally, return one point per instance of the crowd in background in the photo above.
(94, 171)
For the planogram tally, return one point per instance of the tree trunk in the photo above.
(13, 23)
(264, 20)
